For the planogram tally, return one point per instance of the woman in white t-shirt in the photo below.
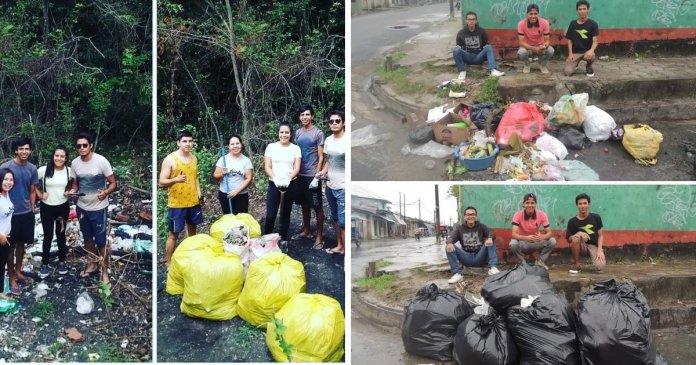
(56, 179)
(6, 210)
(234, 171)
(335, 172)
(282, 164)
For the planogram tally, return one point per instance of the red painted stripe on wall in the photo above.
(505, 38)
(613, 238)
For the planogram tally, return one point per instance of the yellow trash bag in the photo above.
(314, 326)
(642, 142)
(271, 281)
(191, 247)
(212, 285)
(227, 221)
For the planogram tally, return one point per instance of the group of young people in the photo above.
(89, 177)
(534, 36)
(532, 237)
(295, 165)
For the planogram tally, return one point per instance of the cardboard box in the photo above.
(448, 134)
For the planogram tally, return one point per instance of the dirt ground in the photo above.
(185, 339)
(121, 332)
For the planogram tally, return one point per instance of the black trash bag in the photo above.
(505, 289)
(421, 135)
(484, 340)
(479, 113)
(660, 360)
(614, 325)
(545, 332)
(571, 138)
(431, 320)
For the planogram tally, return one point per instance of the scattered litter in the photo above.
(430, 164)
(74, 335)
(93, 357)
(366, 136)
(85, 304)
(8, 306)
(124, 343)
(432, 149)
(526, 302)
(574, 170)
(453, 94)
(36, 319)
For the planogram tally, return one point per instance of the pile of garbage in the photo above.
(534, 138)
(523, 320)
(236, 271)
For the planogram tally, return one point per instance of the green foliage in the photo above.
(245, 334)
(383, 263)
(379, 283)
(105, 293)
(104, 352)
(399, 79)
(488, 93)
(56, 348)
(455, 87)
(280, 330)
(43, 309)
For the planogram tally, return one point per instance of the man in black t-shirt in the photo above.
(473, 48)
(585, 235)
(582, 40)
(478, 246)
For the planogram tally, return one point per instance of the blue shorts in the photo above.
(337, 204)
(93, 225)
(178, 218)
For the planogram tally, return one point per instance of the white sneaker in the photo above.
(455, 278)
(526, 68)
(543, 69)
(541, 264)
(493, 270)
(497, 73)
(462, 76)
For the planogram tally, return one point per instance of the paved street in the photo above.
(401, 253)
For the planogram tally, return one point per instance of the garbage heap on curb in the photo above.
(524, 321)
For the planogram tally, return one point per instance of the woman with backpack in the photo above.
(56, 178)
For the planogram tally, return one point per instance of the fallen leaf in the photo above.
(74, 334)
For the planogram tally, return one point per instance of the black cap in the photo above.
(529, 195)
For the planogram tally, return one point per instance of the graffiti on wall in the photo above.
(504, 209)
(501, 10)
(679, 208)
(667, 11)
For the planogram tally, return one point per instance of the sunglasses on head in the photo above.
(81, 145)
(335, 121)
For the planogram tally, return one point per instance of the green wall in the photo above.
(622, 207)
(610, 14)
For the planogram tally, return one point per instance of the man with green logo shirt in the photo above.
(585, 235)
(582, 40)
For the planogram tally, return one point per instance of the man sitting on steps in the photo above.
(478, 246)
(473, 48)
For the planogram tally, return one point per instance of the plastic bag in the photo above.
(553, 173)
(569, 110)
(431, 320)
(505, 289)
(571, 138)
(8, 306)
(224, 224)
(480, 112)
(642, 142)
(545, 332)
(523, 119)
(598, 124)
(432, 149)
(614, 325)
(212, 286)
(264, 245)
(421, 135)
(271, 281)
(549, 143)
(484, 340)
(185, 256)
(574, 170)
(315, 327)
(84, 303)
(365, 136)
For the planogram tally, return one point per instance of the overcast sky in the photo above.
(425, 191)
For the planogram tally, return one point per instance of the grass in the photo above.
(384, 263)
(379, 283)
(398, 55)
(399, 79)
(105, 352)
(43, 309)
(245, 334)
(444, 92)
(488, 93)
(56, 348)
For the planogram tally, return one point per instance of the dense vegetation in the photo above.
(241, 67)
(78, 65)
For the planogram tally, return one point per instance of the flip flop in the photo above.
(85, 274)
(302, 236)
(318, 246)
(17, 290)
(331, 251)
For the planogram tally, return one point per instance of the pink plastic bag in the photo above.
(523, 119)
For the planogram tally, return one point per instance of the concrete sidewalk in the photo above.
(655, 86)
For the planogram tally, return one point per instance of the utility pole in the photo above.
(437, 214)
(419, 210)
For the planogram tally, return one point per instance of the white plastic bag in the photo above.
(85, 304)
(432, 149)
(550, 143)
(598, 124)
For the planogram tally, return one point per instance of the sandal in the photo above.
(17, 290)
(318, 246)
(331, 251)
(84, 273)
(300, 236)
